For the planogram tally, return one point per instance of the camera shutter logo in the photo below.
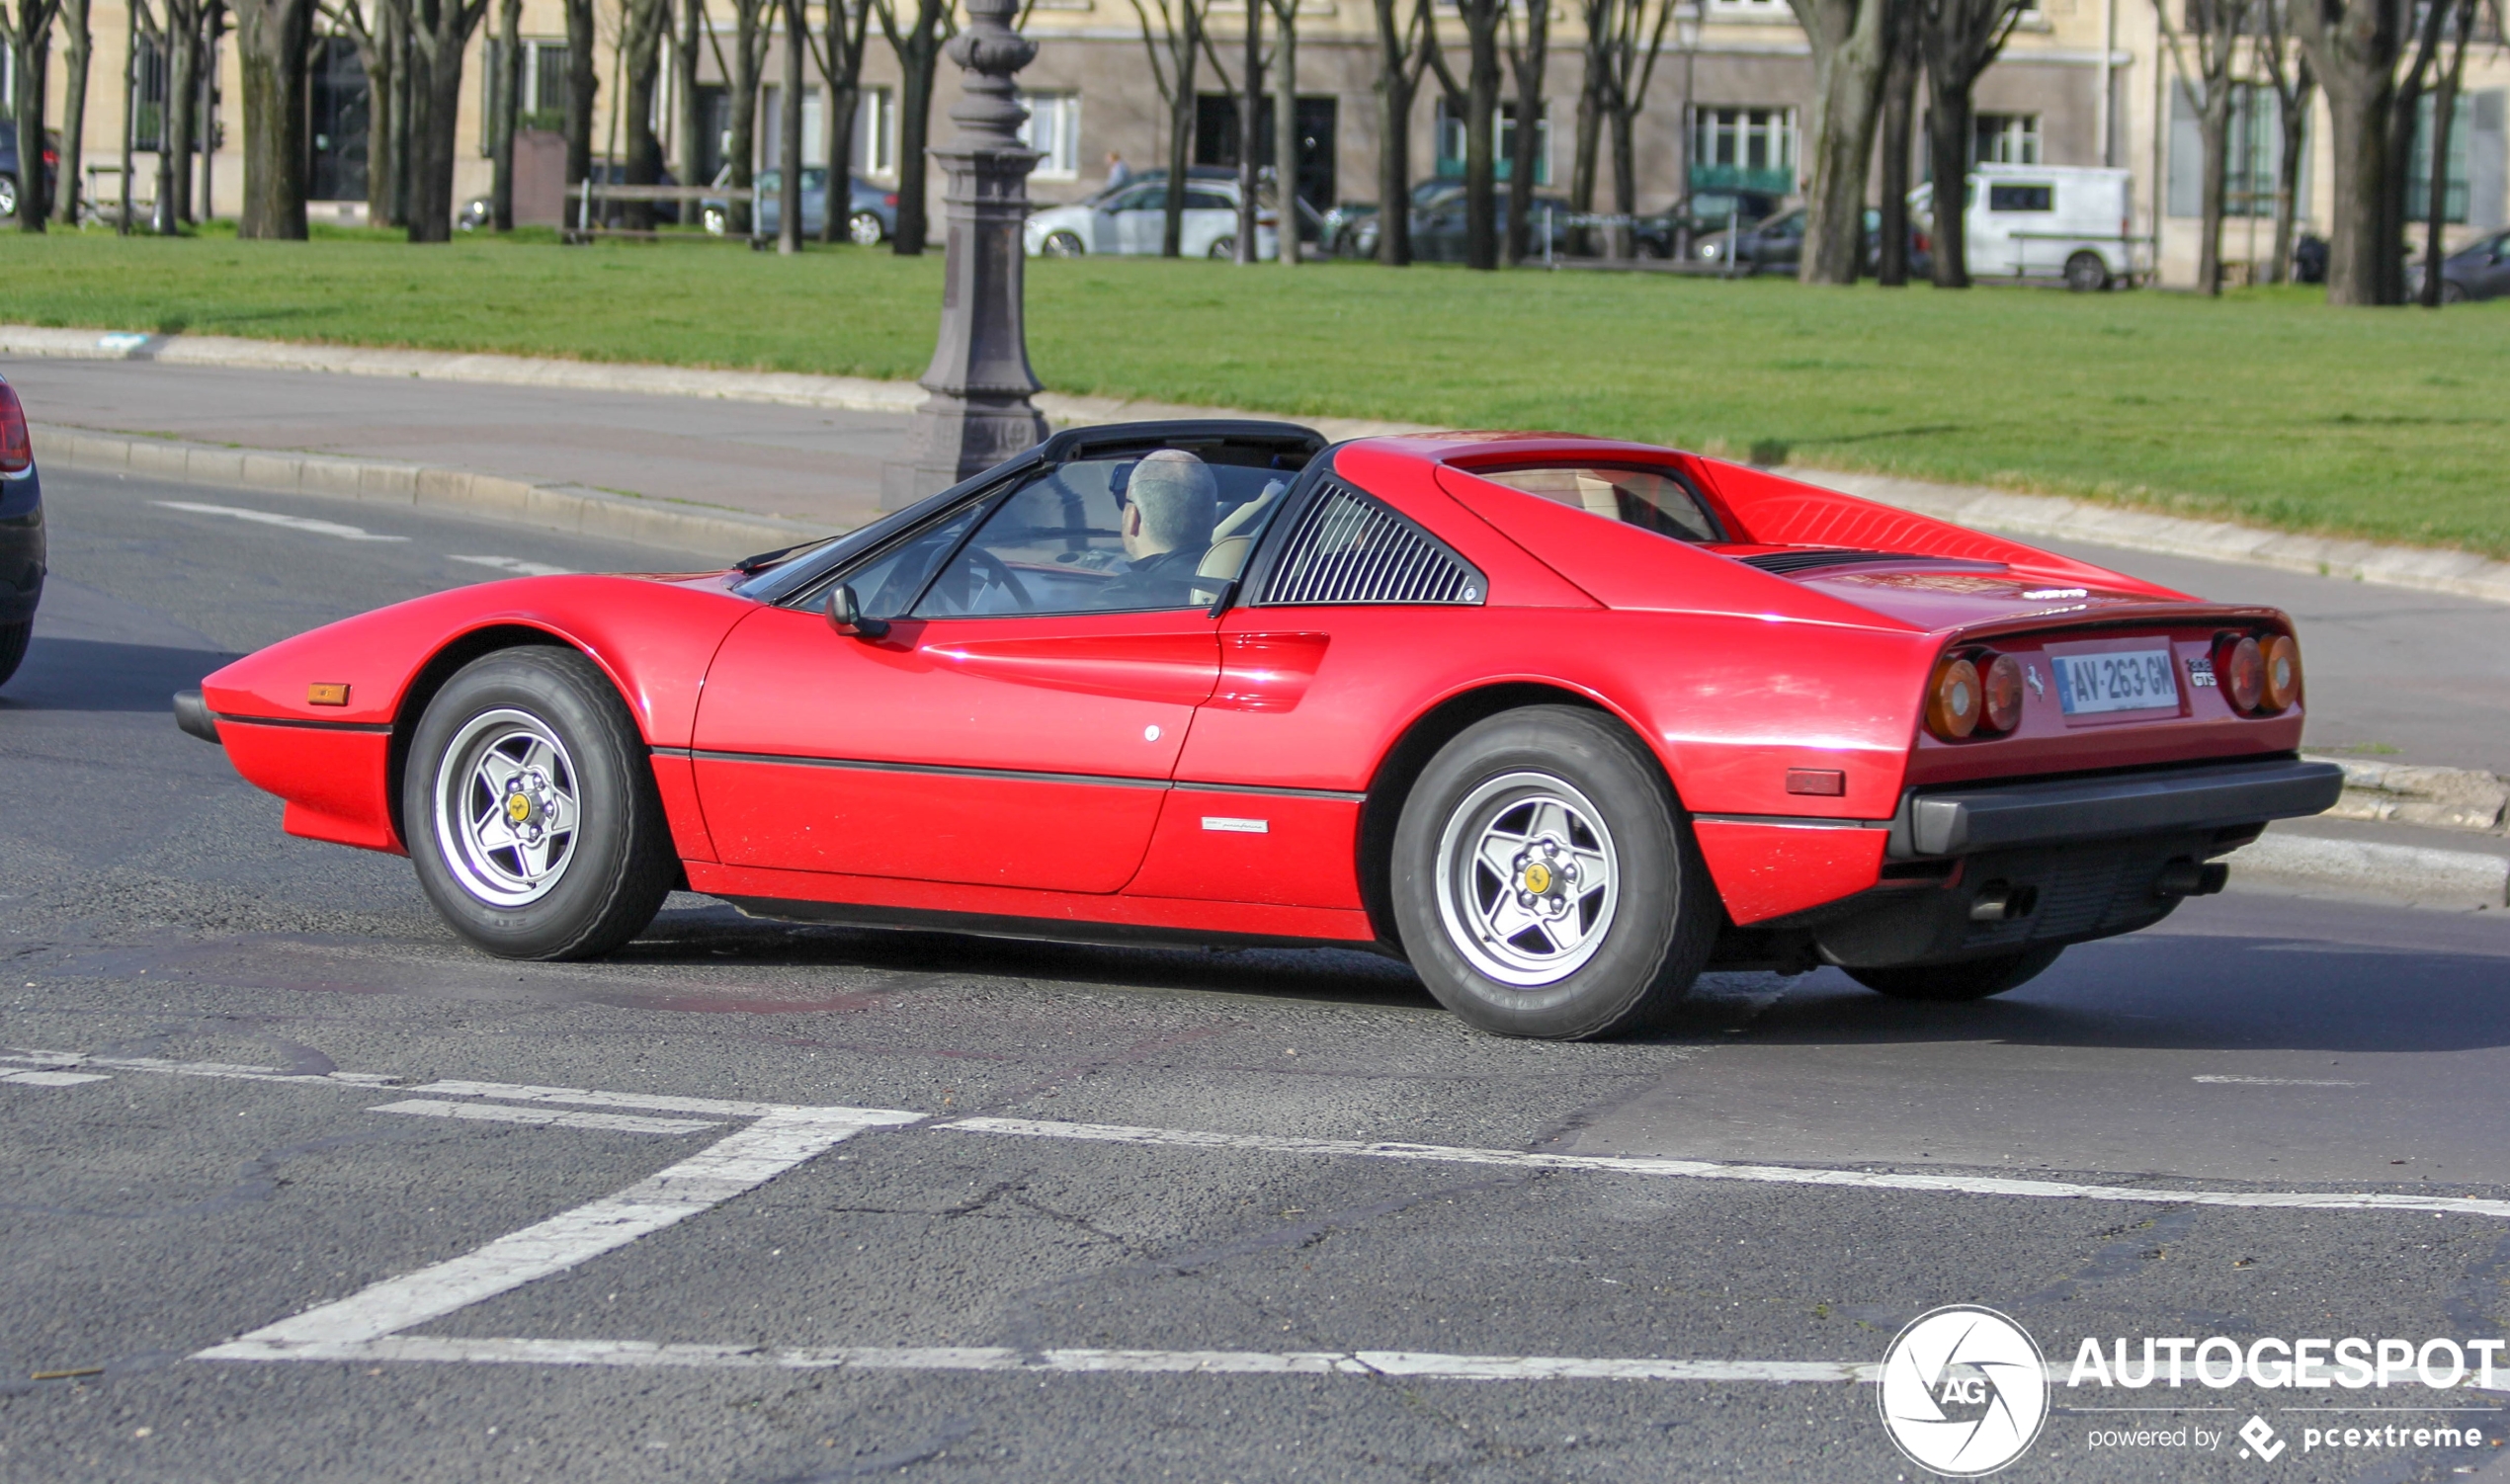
(1965, 1391)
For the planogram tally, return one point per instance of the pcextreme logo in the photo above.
(1965, 1391)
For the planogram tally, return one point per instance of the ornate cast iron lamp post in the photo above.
(978, 413)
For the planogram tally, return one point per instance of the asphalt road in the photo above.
(251, 1079)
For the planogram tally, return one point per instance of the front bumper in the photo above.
(1979, 871)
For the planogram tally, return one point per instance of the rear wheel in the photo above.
(1064, 245)
(1223, 249)
(2452, 292)
(8, 196)
(1545, 878)
(863, 228)
(1975, 979)
(2085, 273)
(13, 642)
(530, 811)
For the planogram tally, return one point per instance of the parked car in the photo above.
(1778, 245)
(2043, 222)
(1708, 213)
(606, 213)
(12, 172)
(2479, 269)
(1563, 721)
(871, 211)
(1131, 219)
(1439, 227)
(1350, 228)
(22, 553)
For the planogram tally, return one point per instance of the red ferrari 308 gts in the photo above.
(1563, 721)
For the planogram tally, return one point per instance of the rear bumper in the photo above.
(22, 553)
(1974, 819)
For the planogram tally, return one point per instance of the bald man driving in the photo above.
(1170, 504)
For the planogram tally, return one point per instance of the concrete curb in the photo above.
(2449, 798)
(703, 530)
(2410, 874)
(2426, 570)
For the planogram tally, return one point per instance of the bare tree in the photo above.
(1477, 96)
(273, 39)
(78, 48)
(642, 24)
(2288, 69)
(1526, 60)
(1250, 99)
(788, 136)
(2354, 46)
(583, 86)
(919, 48)
(1176, 44)
(1286, 138)
(1623, 39)
(505, 103)
(1958, 39)
(2444, 116)
(1899, 118)
(137, 24)
(29, 28)
(1849, 57)
(440, 32)
(2216, 27)
(840, 55)
(691, 29)
(743, 74)
(381, 44)
(180, 34)
(1404, 49)
(2403, 111)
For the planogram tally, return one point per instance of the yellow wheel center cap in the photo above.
(518, 808)
(1537, 878)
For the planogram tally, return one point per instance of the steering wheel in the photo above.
(979, 569)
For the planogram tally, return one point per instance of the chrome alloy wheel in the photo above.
(1528, 880)
(506, 814)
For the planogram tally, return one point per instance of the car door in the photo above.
(1138, 219)
(2492, 269)
(1016, 725)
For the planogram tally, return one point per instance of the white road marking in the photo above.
(725, 1169)
(727, 1108)
(1410, 1365)
(1692, 1169)
(543, 1118)
(515, 565)
(367, 1080)
(268, 518)
(2279, 1082)
(53, 1079)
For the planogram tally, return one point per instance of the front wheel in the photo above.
(863, 228)
(2085, 273)
(530, 811)
(1545, 881)
(8, 196)
(1953, 982)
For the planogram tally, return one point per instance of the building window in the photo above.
(543, 86)
(2418, 174)
(2006, 139)
(1053, 130)
(1450, 143)
(1743, 149)
(2253, 152)
(876, 133)
(771, 127)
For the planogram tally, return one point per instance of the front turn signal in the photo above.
(1954, 701)
(2283, 672)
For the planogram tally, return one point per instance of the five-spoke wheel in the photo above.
(1529, 878)
(504, 807)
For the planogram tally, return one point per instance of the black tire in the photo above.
(1222, 250)
(864, 229)
(13, 642)
(2452, 292)
(1975, 979)
(1062, 245)
(617, 862)
(2085, 273)
(1651, 927)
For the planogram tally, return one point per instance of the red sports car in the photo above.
(1563, 721)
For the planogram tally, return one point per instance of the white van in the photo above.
(2044, 222)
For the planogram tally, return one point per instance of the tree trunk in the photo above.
(1900, 121)
(583, 81)
(212, 21)
(1181, 111)
(842, 71)
(1624, 122)
(376, 54)
(789, 138)
(272, 39)
(688, 120)
(918, 55)
(741, 144)
(439, 30)
(174, 162)
(2292, 125)
(78, 48)
(642, 25)
(2444, 116)
(1949, 123)
(1481, 127)
(29, 48)
(2353, 46)
(1250, 99)
(1522, 157)
(1396, 85)
(129, 123)
(404, 117)
(506, 95)
(1587, 163)
(1286, 136)
(2213, 133)
(1849, 59)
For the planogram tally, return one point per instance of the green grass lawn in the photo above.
(2264, 406)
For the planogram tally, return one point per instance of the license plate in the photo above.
(2118, 680)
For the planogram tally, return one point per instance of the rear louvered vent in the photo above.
(1347, 549)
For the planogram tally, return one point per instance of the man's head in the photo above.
(1170, 504)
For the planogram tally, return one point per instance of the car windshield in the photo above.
(1650, 499)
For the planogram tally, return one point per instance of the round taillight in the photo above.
(17, 452)
(2283, 672)
(2002, 685)
(2240, 667)
(1954, 702)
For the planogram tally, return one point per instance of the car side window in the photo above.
(1140, 533)
(2021, 197)
(1207, 201)
(1152, 197)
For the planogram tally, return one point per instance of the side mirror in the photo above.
(845, 615)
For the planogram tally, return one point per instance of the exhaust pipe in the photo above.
(2187, 877)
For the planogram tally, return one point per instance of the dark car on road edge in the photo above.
(21, 534)
(2479, 269)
